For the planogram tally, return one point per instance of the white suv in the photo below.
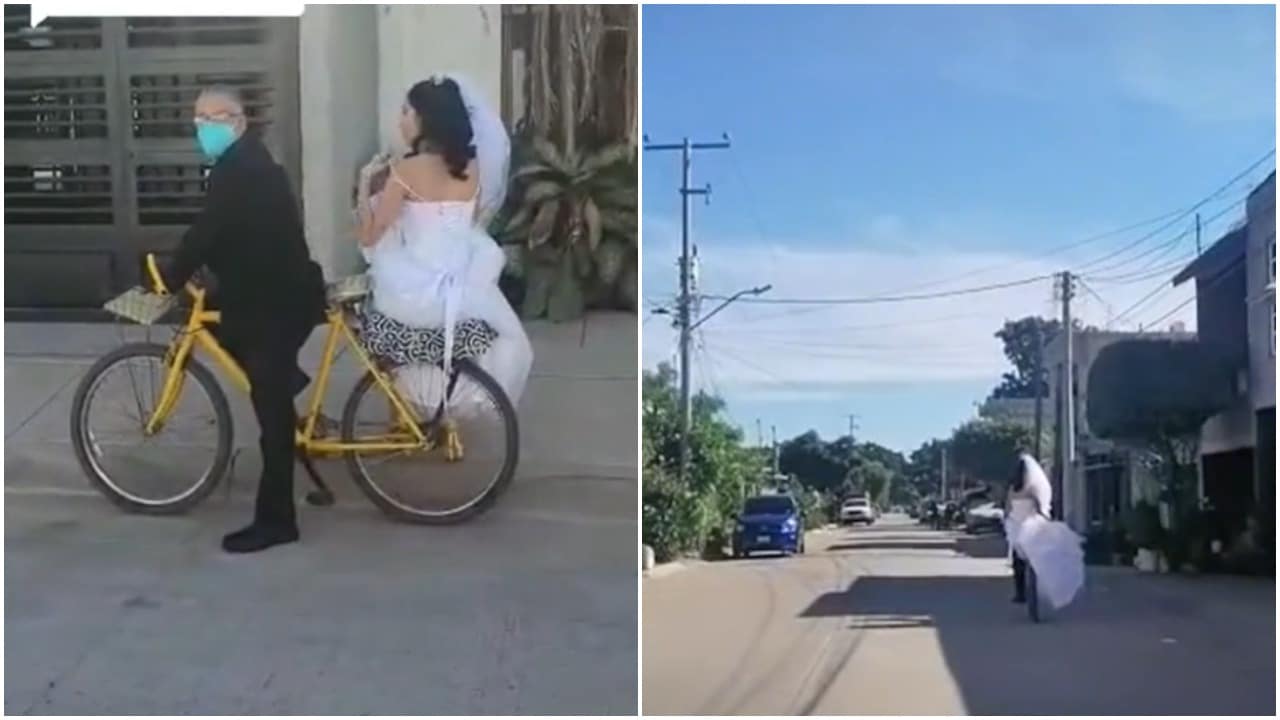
(857, 510)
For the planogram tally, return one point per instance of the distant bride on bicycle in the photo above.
(433, 267)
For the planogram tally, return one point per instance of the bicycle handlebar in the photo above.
(157, 280)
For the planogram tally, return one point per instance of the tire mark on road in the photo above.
(835, 630)
(794, 649)
(730, 680)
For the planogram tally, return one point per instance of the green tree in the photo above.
(873, 478)
(1020, 338)
(682, 517)
(984, 451)
(1155, 395)
(813, 461)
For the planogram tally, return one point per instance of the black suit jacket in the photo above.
(250, 235)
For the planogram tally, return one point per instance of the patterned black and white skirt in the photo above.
(398, 344)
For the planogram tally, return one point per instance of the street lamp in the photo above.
(741, 293)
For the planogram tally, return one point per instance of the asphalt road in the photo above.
(899, 620)
(530, 609)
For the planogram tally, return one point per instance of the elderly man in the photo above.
(269, 291)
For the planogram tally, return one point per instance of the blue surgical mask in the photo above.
(214, 138)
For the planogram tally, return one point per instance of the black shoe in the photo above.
(258, 537)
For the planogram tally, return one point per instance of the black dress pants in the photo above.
(270, 359)
(1019, 577)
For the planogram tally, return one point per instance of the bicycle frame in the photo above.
(195, 333)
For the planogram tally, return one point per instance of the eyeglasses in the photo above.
(216, 117)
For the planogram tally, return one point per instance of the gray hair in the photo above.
(226, 92)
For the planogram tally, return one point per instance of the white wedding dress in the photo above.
(1051, 547)
(435, 268)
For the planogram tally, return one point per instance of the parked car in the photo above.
(769, 523)
(857, 510)
(984, 517)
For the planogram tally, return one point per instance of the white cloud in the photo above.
(1214, 65)
(798, 349)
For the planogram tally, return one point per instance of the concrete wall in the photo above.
(1261, 211)
(1229, 430)
(417, 41)
(339, 104)
(1087, 346)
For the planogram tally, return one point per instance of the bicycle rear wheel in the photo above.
(164, 473)
(424, 486)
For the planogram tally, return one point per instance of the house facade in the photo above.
(1261, 321)
(100, 165)
(1105, 478)
(1235, 309)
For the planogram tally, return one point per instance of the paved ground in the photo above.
(898, 620)
(530, 609)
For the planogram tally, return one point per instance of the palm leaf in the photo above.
(609, 259)
(605, 157)
(531, 169)
(566, 300)
(543, 223)
(542, 191)
(549, 154)
(591, 217)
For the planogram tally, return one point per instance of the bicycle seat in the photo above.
(348, 289)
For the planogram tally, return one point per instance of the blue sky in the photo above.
(878, 148)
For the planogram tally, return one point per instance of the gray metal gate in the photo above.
(101, 165)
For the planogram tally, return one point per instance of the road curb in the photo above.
(666, 569)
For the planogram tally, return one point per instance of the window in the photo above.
(1271, 261)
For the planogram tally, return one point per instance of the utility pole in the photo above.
(853, 425)
(776, 468)
(944, 473)
(684, 313)
(1068, 395)
(1197, 233)
(1039, 387)
(759, 433)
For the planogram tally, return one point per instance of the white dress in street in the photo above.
(1052, 548)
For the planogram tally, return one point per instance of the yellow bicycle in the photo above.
(153, 443)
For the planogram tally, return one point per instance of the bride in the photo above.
(434, 269)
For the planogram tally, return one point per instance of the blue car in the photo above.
(769, 523)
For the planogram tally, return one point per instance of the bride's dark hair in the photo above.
(445, 124)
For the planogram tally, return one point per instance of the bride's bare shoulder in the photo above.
(419, 173)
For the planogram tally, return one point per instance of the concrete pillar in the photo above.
(417, 41)
(340, 115)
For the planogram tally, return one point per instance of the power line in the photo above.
(1173, 243)
(1185, 214)
(889, 298)
(1164, 286)
(1219, 277)
(1174, 214)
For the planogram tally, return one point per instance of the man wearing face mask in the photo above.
(270, 293)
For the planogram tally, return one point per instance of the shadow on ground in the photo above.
(976, 546)
(1118, 650)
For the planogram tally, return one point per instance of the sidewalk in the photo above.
(578, 415)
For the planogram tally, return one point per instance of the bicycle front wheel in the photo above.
(427, 485)
(165, 472)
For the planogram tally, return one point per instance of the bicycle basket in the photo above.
(347, 289)
(140, 306)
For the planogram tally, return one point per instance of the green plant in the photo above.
(571, 223)
(1143, 526)
(1121, 544)
(1098, 545)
